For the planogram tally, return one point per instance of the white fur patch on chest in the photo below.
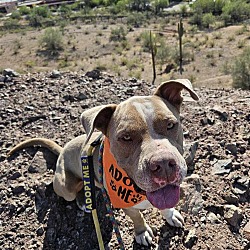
(143, 205)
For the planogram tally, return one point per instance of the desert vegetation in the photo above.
(113, 35)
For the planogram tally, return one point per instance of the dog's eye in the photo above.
(126, 138)
(170, 125)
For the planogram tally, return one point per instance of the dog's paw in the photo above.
(173, 217)
(146, 237)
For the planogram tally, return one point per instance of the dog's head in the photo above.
(146, 139)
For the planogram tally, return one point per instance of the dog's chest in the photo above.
(119, 185)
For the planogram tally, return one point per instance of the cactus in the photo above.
(153, 49)
(180, 33)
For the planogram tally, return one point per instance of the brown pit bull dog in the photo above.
(142, 158)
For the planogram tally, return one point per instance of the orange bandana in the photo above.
(119, 186)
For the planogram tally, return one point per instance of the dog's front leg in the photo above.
(143, 232)
(173, 217)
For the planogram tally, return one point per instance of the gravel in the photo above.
(215, 203)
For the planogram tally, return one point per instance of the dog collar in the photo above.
(119, 185)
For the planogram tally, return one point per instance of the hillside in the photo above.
(215, 202)
(119, 47)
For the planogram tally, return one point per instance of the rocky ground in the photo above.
(215, 202)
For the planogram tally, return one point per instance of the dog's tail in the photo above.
(43, 142)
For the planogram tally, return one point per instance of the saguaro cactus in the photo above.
(180, 33)
(153, 53)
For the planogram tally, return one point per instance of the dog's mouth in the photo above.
(165, 197)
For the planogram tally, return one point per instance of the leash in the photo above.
(89, 191)
(106, 199)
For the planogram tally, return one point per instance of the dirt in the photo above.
(215, 203)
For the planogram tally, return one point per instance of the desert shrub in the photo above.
(52, 40)
(136, 20)
(119, 7)
(196, 19)
(145, 39)
(159, 5)
(16, 15)
(35, 20)
(236, 11)
(76, 5)
(241, 70)
(24, 10)
(217, 35)
(163, 53)
(42, 11)
(11, 24)
(207, 20)
(241, 43)
(183, 10)
(38, 15)
(65, 10)
(187, 56)
(118, 34)
(209, 6)
(231, 38)
(218, 6)
(204, 6)
(17, 45)
(242, 30)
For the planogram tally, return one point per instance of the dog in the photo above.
(143, 145)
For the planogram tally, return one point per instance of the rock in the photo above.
(241, 186)
(191, 239)
(7, 79)
(231, 198)
(94, 74)
(213, 218)
(81, 97)
(246, 230)
(233, 215)
(55, 74)
(10, 72)
(239, 189)
(222, 167)
(189, 153)
(15, 176)
(232, 148)
(2, 78)
(243, 181)
(208, 120)
(29, 108)
(190, 193)
(192, 201)
(18, 189)
(32, 169)
(69, 97)
(221, 112)
(168, 68)
(40, 231)
(195, 180)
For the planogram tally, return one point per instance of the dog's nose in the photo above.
(163, 168)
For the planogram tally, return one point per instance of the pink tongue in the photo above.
(166, 197)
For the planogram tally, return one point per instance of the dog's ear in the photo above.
(171, 91)
(97, 117)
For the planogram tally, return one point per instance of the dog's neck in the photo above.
(119, 185)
